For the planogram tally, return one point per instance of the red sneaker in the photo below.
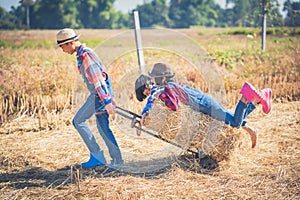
(264, 96)
(249, 92)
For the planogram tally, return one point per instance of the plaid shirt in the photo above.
(93, 71)
(170, 99)
(172, 94)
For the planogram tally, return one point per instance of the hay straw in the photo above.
(193, 130)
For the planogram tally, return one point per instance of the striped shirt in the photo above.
(93, 71)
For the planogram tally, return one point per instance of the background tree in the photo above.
(108, 17)
(54, 14)
(27, 4)
(95, 13)
(248, 13)
(225, 17)
(193, 12)
(293, 13)
(154, 14)
(9, 20)
(20, 13)
(124, 20)
(242, 9)
(275, 18)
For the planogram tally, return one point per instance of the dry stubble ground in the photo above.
(36, 165)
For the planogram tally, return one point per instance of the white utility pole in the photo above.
(138, 41)
(264, 25)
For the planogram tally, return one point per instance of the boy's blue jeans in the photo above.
(92, 105)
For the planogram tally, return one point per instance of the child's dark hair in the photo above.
(141, 84)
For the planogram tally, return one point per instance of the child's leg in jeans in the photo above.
(239, 113)
(108, 137)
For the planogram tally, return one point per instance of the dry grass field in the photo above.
(40, 151)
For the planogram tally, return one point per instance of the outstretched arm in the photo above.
(155, 91)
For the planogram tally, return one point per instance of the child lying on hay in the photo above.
(198, 106)
(193, 130)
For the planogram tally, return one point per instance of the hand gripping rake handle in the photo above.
(134, 121)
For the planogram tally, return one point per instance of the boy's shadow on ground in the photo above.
(39, 177)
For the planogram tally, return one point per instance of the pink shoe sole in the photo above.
(266, 103)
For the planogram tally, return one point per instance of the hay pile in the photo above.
(193, 130)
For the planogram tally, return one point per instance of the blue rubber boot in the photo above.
(96, 159)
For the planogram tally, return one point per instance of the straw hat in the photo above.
(161, 70)
(66, 35)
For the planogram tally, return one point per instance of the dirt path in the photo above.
(36, 165)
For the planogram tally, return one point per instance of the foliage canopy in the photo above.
(101, 14)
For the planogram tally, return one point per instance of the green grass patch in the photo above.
(92, 42)
(26, 44)
(41, 44)
(276, 31)
(6, 44)
(34, 44)
(227, 58)
(283, 31)
(240, 31)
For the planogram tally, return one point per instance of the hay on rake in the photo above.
(193, 130)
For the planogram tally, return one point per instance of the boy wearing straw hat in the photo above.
(172, 92)
(99, 102)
